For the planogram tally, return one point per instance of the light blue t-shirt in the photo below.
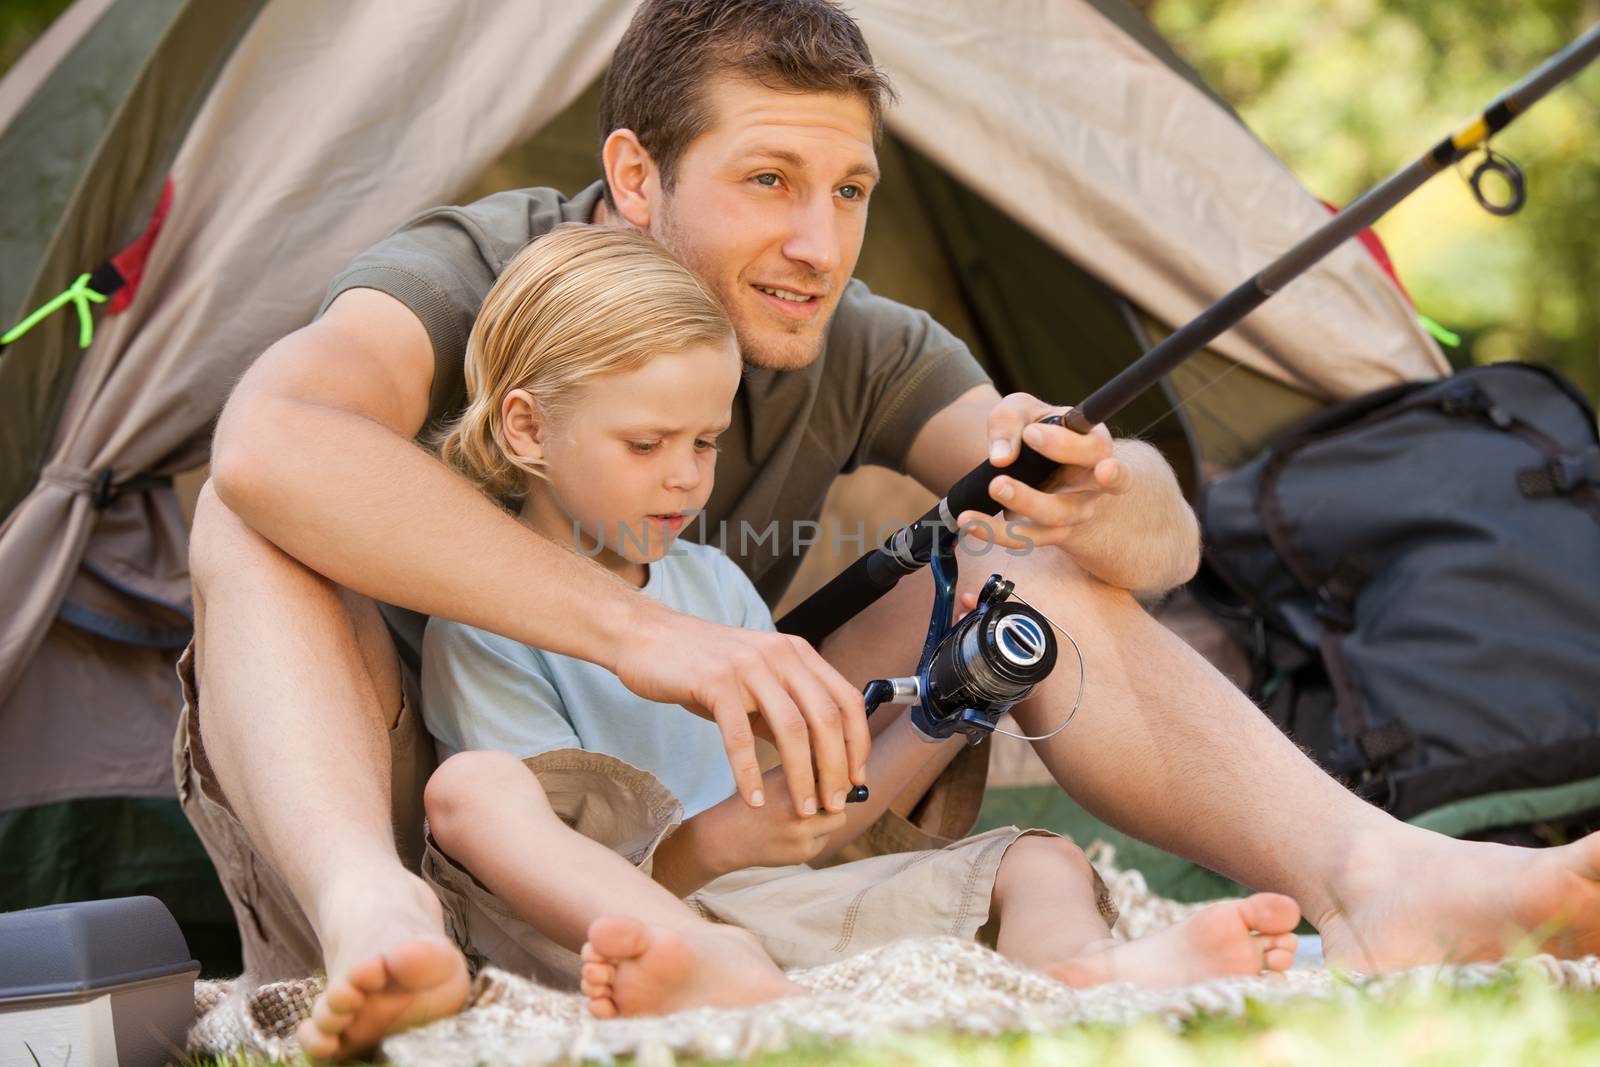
(484, 691)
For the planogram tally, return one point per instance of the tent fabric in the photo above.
(1143, 185)
(91, 149)
(330, 123)
(309, 149)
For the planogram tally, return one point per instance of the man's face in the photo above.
(769, 207)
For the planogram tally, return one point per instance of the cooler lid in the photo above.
(68, 948)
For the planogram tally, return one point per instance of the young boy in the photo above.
(571, 815)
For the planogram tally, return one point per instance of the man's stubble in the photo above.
(783, 345)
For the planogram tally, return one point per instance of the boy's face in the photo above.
(773, 197)
(636, 452)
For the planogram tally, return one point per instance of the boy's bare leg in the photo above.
(1167, 749)
(488, 812)
(299, 685)
(1044, 900)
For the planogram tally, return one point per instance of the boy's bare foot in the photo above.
(633, 969)
(393, 969)
(1234, 937)
(1458, 901)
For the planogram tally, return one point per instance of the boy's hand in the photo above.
(731, 836)
(728, 675)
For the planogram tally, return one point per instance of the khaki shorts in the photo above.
(802, 916)
(278, 941)
(277, 937)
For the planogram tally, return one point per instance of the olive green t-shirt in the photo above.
(885, 369)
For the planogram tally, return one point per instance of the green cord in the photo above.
(79, 294)
(1441, 334)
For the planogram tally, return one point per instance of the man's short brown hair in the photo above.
(673, 48)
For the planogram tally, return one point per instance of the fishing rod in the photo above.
(910, 548)
(932, 537)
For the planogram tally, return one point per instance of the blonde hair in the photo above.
(580, 302)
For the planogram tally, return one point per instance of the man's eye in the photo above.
(643, 448)
(703, 445)
(768, 180)
(853, 192)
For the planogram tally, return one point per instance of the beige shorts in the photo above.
(802, 916)
(277, 937)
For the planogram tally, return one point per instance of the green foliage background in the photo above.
(1347, 91)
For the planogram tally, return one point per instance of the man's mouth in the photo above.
(788, 294)
(789, 302)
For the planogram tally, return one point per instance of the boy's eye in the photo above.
(853, 192)
(644, 448)
(703, 445)
(769, 180)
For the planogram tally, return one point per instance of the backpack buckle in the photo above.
(1562, 475)
(1334, 611)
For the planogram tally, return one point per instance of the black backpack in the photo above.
(1416, 574)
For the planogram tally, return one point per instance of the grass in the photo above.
(1509, 1023)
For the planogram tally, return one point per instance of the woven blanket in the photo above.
(912, 985)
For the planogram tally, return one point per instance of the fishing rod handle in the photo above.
(971, 493)
(861, 584)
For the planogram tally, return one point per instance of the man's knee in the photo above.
(220, 543)
(468, 783)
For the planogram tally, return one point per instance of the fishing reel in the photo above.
(974, 670)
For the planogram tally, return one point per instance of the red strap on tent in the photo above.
(1374, 246)
(130, 261)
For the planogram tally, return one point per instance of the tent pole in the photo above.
(908, 550)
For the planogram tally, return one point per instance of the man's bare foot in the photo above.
(1233, 937)
(633, 969)
(1459, 901)
(392, 968)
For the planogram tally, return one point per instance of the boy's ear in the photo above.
(524, 423)
(632, 175)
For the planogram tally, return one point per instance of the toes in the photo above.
(314, 1043)
(1278, 959)
(369, 976)
(341, 998)
(1270, 913)
(329, 1019)
(599, 973)
(590, 954)
(602, 1007)
(619, 938)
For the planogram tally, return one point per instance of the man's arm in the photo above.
(314, 452)
(1119, 513)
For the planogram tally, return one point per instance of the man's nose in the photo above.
(814, 240)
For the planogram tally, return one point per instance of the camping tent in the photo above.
(1057, 184)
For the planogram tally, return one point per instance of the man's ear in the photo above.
(525, 425)
(632, 175)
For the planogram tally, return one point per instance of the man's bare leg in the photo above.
(1166, 749)
(299, 685)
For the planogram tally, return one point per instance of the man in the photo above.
(740, 134)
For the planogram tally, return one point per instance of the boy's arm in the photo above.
(314, 452)
(729, 836)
